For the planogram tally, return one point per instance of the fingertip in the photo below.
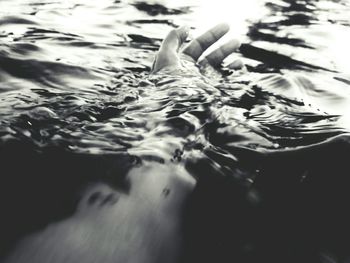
(183, 32)
(234, 43)
(237, 64)
(186, 28)
(223, 27)
(173, 40)
(219, 30)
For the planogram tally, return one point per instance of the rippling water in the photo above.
(78, 105)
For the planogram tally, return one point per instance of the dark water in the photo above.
(267, 146)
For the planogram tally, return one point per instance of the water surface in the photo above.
(77, 105)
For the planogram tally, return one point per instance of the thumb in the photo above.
(167, 55)
(175, 39)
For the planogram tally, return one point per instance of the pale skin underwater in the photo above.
(144, 225)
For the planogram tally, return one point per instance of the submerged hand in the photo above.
(170, 56)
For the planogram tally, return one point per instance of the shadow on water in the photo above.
(42, 186)
(296, 214)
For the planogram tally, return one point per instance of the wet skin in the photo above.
(171, 56)
(144, 225)
(110, 226)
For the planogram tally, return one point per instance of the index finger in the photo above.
(197, 46)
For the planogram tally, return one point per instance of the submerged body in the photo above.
(143, 225)
(146, 223)
(210, 186)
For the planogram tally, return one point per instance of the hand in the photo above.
(170, 57)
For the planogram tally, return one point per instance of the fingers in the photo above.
(175, 39)
(237, 64)
(216, 57)
(167, 55)
(196, 48)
